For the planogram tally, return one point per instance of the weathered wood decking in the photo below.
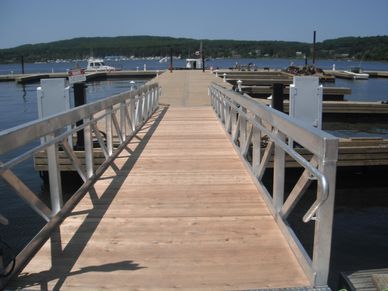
(177, 210)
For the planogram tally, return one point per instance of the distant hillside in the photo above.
(367, 48)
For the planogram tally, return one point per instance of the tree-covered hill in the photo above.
(367, 48)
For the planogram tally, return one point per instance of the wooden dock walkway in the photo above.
(176, 210)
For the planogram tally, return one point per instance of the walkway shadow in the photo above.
(43, 278)
(64, 260)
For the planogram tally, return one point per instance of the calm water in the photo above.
(215, 63)
(360, 238)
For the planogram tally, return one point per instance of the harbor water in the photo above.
(360, 234)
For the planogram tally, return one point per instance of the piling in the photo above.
(80, 99)
(277, 96)
(22, 61)
(314, 39)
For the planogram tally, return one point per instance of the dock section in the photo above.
(177, 210)
(34, 78)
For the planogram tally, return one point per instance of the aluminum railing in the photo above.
(249, 124)
(124, 115)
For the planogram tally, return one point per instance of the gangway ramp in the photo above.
(177, 209)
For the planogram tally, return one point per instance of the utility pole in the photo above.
(22, 61)
(171, 60)
(202, 57)
(314, 40)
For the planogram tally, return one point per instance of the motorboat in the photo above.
(194, 63)
(357, 73)
(98, 65)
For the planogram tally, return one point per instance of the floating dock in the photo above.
(352, 151)
(329, 93)
(344, 75)
(34, 78)
(377, 74)
(365, 280)
(339, 74)
(267, 77)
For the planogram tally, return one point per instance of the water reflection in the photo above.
(24, 97)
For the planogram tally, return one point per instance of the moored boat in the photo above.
(98, 65)
(357, 73)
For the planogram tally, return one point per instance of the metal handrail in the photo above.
(235, 112)
(135, 108)
(298, 158)
(17, 136)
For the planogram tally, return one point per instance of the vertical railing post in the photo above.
(226, 108)
(140, 109)
(243, 127)
(156, 98)
(145, 108)
(54, 176)
(149, 103)
(132, 113)
(278, 175)
(234, 118)
(324, 216)
(256, 147)
(228, 124)
(219, 105)
(211, 95)
(136, 112)
(123, 126)
(216, 103)
(222, 116)
(143, 112)
(88, 139)
(109, 135)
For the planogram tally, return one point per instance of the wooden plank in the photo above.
(346, 107)
(180, 213)
(362, 280)
(24, 79)
(380, 281)
(167, 151)
(186, 88)
(286, 91)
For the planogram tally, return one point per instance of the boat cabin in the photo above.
(193, 64)
(98, 65)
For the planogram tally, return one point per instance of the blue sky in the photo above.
(35, 21)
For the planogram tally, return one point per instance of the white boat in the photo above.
(193, 63)
(98, 65)
(357, 73)
(163, 60)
